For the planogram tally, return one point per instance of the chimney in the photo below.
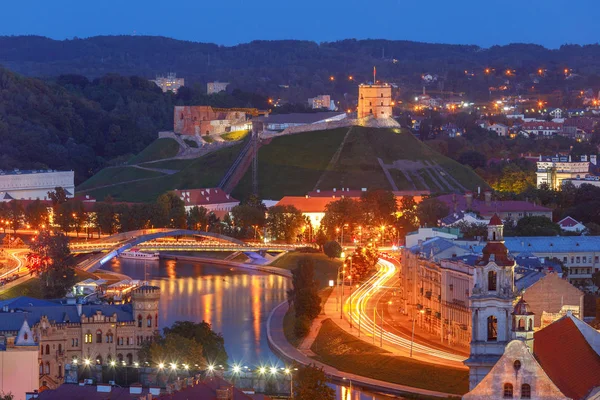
(593, 159)
(488, 198)
(469, 199)
(540, 157)
(569, 158)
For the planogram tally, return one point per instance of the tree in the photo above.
(332, 249)
(339, 213)
(304, 295)
(105, 217)
(430, 211)
(363, 263)
(473, 159)
(321, 238)
(6, 396)
(213, 344)
(172, 348)
(284, 223)
(50, 257)
(36, 214)
(596, 279)
(536, 226)
(408, 220)
(173, 209)
(15, 214)
(197, 217)
(249, 218)
(58, 196)
(378, 207)
(311, 383)
(592, 229)
(471, 230)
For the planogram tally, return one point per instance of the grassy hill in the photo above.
(354, 157)
(293, 165)
(159, 149)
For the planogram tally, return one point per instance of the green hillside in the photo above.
(157, 150)
(293, 165)
(296, 164)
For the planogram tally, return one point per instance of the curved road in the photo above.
(356, 308)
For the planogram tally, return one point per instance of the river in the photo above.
(235, 302)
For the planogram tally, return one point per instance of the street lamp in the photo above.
(289, 372)
(349, 380)
(412, 340)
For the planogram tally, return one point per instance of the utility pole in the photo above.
(255, 139)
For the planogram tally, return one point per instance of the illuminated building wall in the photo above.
(375, 100)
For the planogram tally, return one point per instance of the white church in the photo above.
(508, 360)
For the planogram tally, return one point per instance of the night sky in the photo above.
(484, 23)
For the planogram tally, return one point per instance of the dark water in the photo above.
(235, 302)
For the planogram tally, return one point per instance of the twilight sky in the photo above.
(484, 23)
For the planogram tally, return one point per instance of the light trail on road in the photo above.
(355, 308)
(13, 254)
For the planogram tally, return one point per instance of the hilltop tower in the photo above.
(145, 301)
(491, 304)
(375, 100)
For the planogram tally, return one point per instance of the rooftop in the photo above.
(298, 118)
(552, 244)
(199, 197)
(495, 206)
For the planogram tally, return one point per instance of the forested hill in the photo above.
(71, 122)
(265, 65)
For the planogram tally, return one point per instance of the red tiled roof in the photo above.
(495, 220)
(202, 197)
(567, 358)
(500, 253)
(568, 222)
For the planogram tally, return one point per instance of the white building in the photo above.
(423, 234)
(213, 199)
(554, 170)
(19, 364)
(32, 185)
(500, 129)
(321, 101)
(216, 87)
(571, 225)
(169, 82)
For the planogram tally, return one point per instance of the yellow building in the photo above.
(375, 100)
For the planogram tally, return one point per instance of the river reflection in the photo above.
(235, 302)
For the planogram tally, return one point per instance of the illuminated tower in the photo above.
(491, 305)
(375, 100)
(145, 311)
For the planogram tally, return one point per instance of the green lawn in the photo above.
(235, 135)
(108, 176)
(33, 286)
(291, 165)
(169, 164)
(335, 347)
(203, 172)
(159, 149)
(325, 268)
(400, 179)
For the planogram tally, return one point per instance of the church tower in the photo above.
(491, 304)
(145, 301)
(522, 323)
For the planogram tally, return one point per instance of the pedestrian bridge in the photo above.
(148, 239)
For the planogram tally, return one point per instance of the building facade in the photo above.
(554, 170)
(375, 100)
(33, 185)
(205, 120)
(169, 83)
(491, 304)
(86, 333)
(216, 87)
(320, 101)
(19, 364)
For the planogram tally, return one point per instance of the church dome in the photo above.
(522, 308)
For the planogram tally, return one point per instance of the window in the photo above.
(25, 336)
(59, 348)
(139, 321)
(109, 337)
(525, 391)
(47, 369)
(120, 358)
(370, 103)
(60, 371)
(508, 391)
(381, 94)
(128, 340)
(371, 111)
(88, 337)
(156, 320)
(584, 259)
(47, 349)
(492, 280)
(382, 103)
(530, 325)
(129, 359)
(578, 259)
(596, 259)
(149, 321)
(572, 260)
(99, 359)
(41, 368)
(98, 336)
(517, 365)
(565, 260)
(492, 329)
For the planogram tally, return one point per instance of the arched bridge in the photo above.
(114, 245)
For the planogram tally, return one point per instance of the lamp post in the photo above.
(289, 372)
(349, 380)
(412, 340)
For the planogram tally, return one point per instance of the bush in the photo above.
(307, 249)
(332, 249)
(302, 326)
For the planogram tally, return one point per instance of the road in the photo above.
(361, 308)
(19, 256)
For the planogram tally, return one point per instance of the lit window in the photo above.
(508, 391)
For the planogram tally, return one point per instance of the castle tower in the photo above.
(522, 323)
(491, 304)
(375, 100)
(145, 301)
